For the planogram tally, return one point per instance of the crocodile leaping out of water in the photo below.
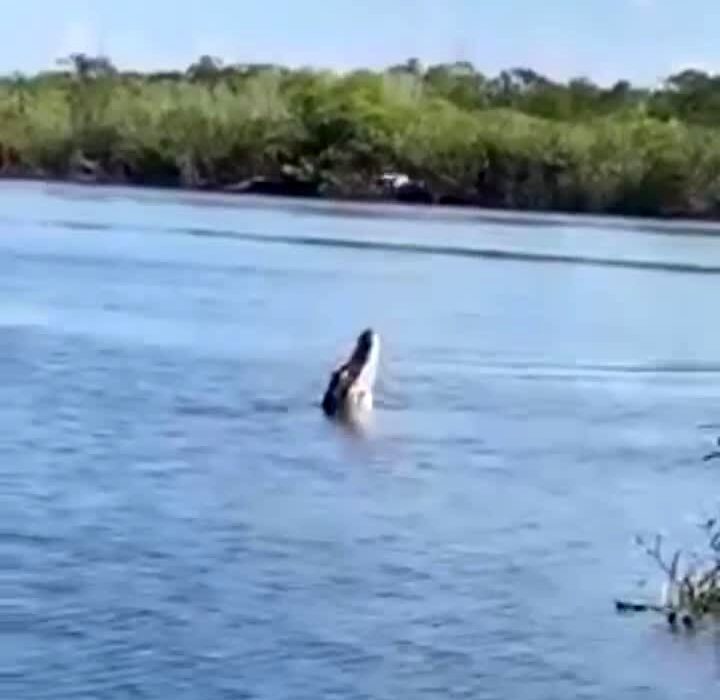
(349, 394)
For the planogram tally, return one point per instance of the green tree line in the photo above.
(516, 140)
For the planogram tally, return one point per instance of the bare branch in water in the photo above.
(693, 590)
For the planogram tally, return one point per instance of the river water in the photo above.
(177, 519)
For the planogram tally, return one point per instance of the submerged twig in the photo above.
(713, 455)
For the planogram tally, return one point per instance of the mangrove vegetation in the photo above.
(518, 140)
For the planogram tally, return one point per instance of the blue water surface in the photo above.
(177, 519)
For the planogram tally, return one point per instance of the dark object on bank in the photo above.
(414, 193)
(403, 189)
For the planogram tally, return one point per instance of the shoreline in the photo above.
(670, 225)
(667, 224)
